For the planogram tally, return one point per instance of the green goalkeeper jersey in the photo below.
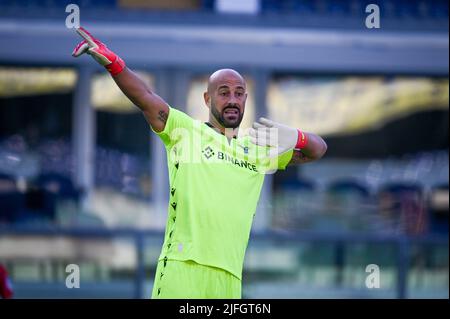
(215, 184)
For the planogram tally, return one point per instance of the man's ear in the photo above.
(207, 99)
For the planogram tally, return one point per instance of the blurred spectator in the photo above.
(402, 205)
(6, 290)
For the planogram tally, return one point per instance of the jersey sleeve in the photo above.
(269, 165)
(284, 159)
(178, 124)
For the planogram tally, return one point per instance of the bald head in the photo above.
(222, 75)
(225, 97)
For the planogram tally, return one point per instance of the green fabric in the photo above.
(214, 189)
(189, 280)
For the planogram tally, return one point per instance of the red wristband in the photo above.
(116, 67)
(302, 140)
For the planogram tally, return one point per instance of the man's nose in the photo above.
(233, 100)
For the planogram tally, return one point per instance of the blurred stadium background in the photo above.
(83, 181)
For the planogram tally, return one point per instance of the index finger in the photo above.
(87, 36)
(266, 122)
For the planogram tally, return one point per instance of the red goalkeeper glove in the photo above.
(99, 51)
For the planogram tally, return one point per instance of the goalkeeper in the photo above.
(215, 177)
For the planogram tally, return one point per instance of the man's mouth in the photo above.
(231, 111)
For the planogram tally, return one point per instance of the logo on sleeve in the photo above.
(245, 148)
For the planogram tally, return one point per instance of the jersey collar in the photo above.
(211, 126)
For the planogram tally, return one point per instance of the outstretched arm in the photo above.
(154, 108)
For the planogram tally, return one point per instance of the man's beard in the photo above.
(223, 121)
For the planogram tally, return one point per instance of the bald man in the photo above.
(215, 177)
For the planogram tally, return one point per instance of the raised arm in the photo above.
(154, 108)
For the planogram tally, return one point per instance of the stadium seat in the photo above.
(271, 6)
(439, 10)
(303, 7)
(207, 5)
(338, 7)
(294, 204)
(347, 186)
(347, 206)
